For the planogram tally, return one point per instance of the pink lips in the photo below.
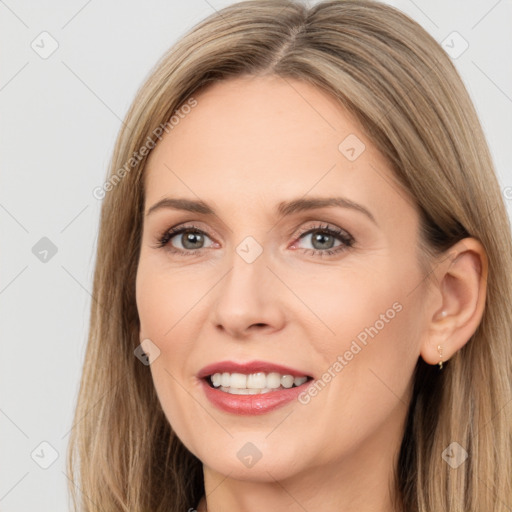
(250, 404)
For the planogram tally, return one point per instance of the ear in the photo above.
(458, 301)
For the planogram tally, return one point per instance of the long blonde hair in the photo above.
(412, 104)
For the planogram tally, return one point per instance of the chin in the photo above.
(252, 457)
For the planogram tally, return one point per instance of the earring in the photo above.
(440, 350)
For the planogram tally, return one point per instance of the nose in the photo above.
(248, 299)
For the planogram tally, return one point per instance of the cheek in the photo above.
(371, 325)
(376, 350)
(359, 301)
(167, 301)
(164, 297)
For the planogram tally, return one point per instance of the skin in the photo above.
(248, 145)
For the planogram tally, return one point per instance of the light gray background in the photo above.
(59, 119)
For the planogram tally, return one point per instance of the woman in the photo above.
(303, 278)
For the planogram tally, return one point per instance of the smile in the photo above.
(251, 387)
(254, 383)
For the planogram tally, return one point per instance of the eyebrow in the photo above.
(283, 209)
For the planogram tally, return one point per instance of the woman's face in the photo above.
(267, 273)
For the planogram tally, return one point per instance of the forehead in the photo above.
(249, 138)
(241, 117)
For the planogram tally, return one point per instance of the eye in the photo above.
(188, 239)
(323, 240)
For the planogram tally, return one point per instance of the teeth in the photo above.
(235, 391)
(240, 384)
(216, 379)
(257, 380)
(287, 381)
(298, 381)
(238, 380)
(273, 380)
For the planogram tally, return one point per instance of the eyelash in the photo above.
(342, 235)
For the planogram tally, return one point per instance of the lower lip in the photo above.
(252, 404)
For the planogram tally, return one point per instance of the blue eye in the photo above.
(192, 240)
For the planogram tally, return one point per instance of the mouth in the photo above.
(252, 387)
(254, 383)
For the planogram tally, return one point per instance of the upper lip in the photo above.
(248, 367)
